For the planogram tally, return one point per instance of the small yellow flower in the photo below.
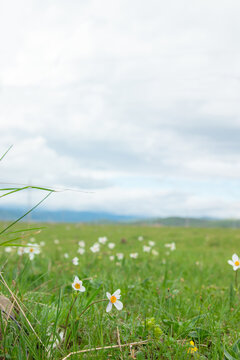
(192, 349)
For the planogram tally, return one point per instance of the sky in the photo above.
(135, 104)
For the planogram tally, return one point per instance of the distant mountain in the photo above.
(194, 222)
(7, 214)
(38, 215)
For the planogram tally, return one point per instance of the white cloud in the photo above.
(91, 92)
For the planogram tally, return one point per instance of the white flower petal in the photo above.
(82, 288)
(118, 304)
(76, 279)
(108, 295)
(235, 257)
(117, 294)
(230, 262)
(109, 307)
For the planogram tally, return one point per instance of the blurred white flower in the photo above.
(114, 300)
(42, 243)
(20, 250)
(58, 340)
(171, 246)
(111, 245)
(77, 285)
(102, 240)
(32, 250)
(146, 248)
(154, 252)
(81, 251)
(56, 241)
(111, 257)
(140, 238)
(32, 239)
(151, 243)
(66, 255)
(81, 243)
(131, 286)
(95, 248)
(8, 249)
(120, 256)
(133, 255)
(75, 260)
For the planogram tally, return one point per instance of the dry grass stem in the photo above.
(20, 308)
(106, 347)
(119, 342)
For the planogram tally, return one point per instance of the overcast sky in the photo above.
(135, 101)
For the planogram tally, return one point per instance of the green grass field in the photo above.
(169, 298)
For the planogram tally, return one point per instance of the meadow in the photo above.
(179, 294)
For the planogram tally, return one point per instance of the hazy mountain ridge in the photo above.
(8, 214)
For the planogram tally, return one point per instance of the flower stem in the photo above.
(94, 302)
(236, 280)
(69, 312)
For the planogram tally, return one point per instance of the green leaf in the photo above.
(6, 152)
(199, 333)
(92, 297)
(227, 356)
(236, 347)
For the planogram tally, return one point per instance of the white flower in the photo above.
(81, 243)
(140, 238)
(114, 300)
(146, 248)
(235, 262)
(111, 245)
(58, 340)
(75, 260)
(95, 248)
(120, 256)
(154, 252)
(111, 257)
(42, 243)
(56, 241)
(66, 255)
(77, 285)
(8, 249)
(172, 246)
(131, 286)
(81, 251)
(20, 251)
(102, 240)
(151, 243)
(133, 255)
(32, 250)
(32, 239)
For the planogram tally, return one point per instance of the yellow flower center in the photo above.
(77, 286)
(31, 250)
(237, 263)
(113, 299)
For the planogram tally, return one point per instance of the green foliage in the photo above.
(168, 299)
